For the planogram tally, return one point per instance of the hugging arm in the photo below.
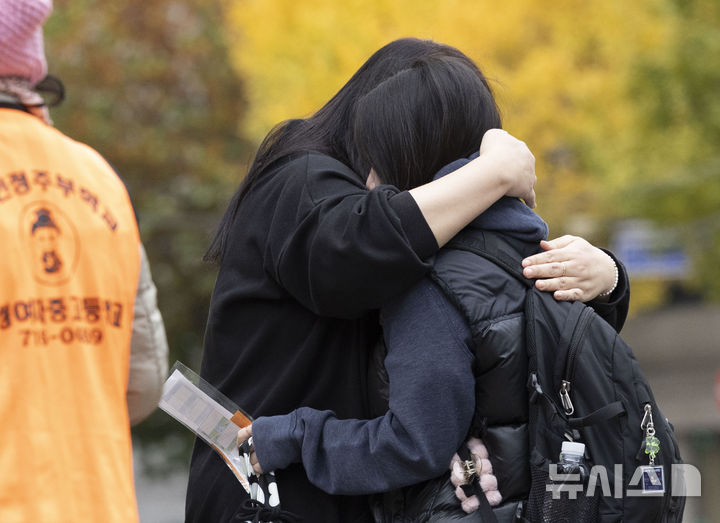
(504, 167)
(431, 405)
(331, 239)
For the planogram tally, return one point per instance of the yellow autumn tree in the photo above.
(559, 70)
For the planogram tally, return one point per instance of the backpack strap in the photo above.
(473, 488)
(608, 412)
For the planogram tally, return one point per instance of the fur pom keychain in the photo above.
(459, 476)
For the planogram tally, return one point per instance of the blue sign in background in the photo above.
(648, 251)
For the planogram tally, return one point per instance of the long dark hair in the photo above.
(423, 118)
(329, 130)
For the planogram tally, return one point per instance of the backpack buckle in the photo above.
(469, 469)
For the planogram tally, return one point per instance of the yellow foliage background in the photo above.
(559, 69)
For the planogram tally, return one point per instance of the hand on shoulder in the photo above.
(572, 268)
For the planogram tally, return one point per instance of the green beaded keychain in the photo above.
(653, 476)
(652, 444)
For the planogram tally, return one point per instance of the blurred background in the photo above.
(618, 101)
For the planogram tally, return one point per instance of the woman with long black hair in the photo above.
(307, 254)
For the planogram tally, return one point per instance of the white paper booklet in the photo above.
(210, 415)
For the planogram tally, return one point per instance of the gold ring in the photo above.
(563, 268)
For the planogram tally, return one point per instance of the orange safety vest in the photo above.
(68, 276)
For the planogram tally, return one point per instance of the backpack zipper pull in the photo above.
(565, 398)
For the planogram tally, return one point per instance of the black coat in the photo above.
(311, 253)
(492, 302)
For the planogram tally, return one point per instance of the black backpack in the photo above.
(585, 385)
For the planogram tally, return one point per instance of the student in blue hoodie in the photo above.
(456, 332)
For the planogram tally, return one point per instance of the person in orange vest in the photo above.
(82, 343)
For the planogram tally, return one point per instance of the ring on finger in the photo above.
(564, 270)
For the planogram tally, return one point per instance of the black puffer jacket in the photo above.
(492, 302)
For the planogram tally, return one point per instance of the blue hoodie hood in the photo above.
(508, 215)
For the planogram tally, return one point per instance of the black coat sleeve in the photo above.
(338, 248)
(615, 310)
